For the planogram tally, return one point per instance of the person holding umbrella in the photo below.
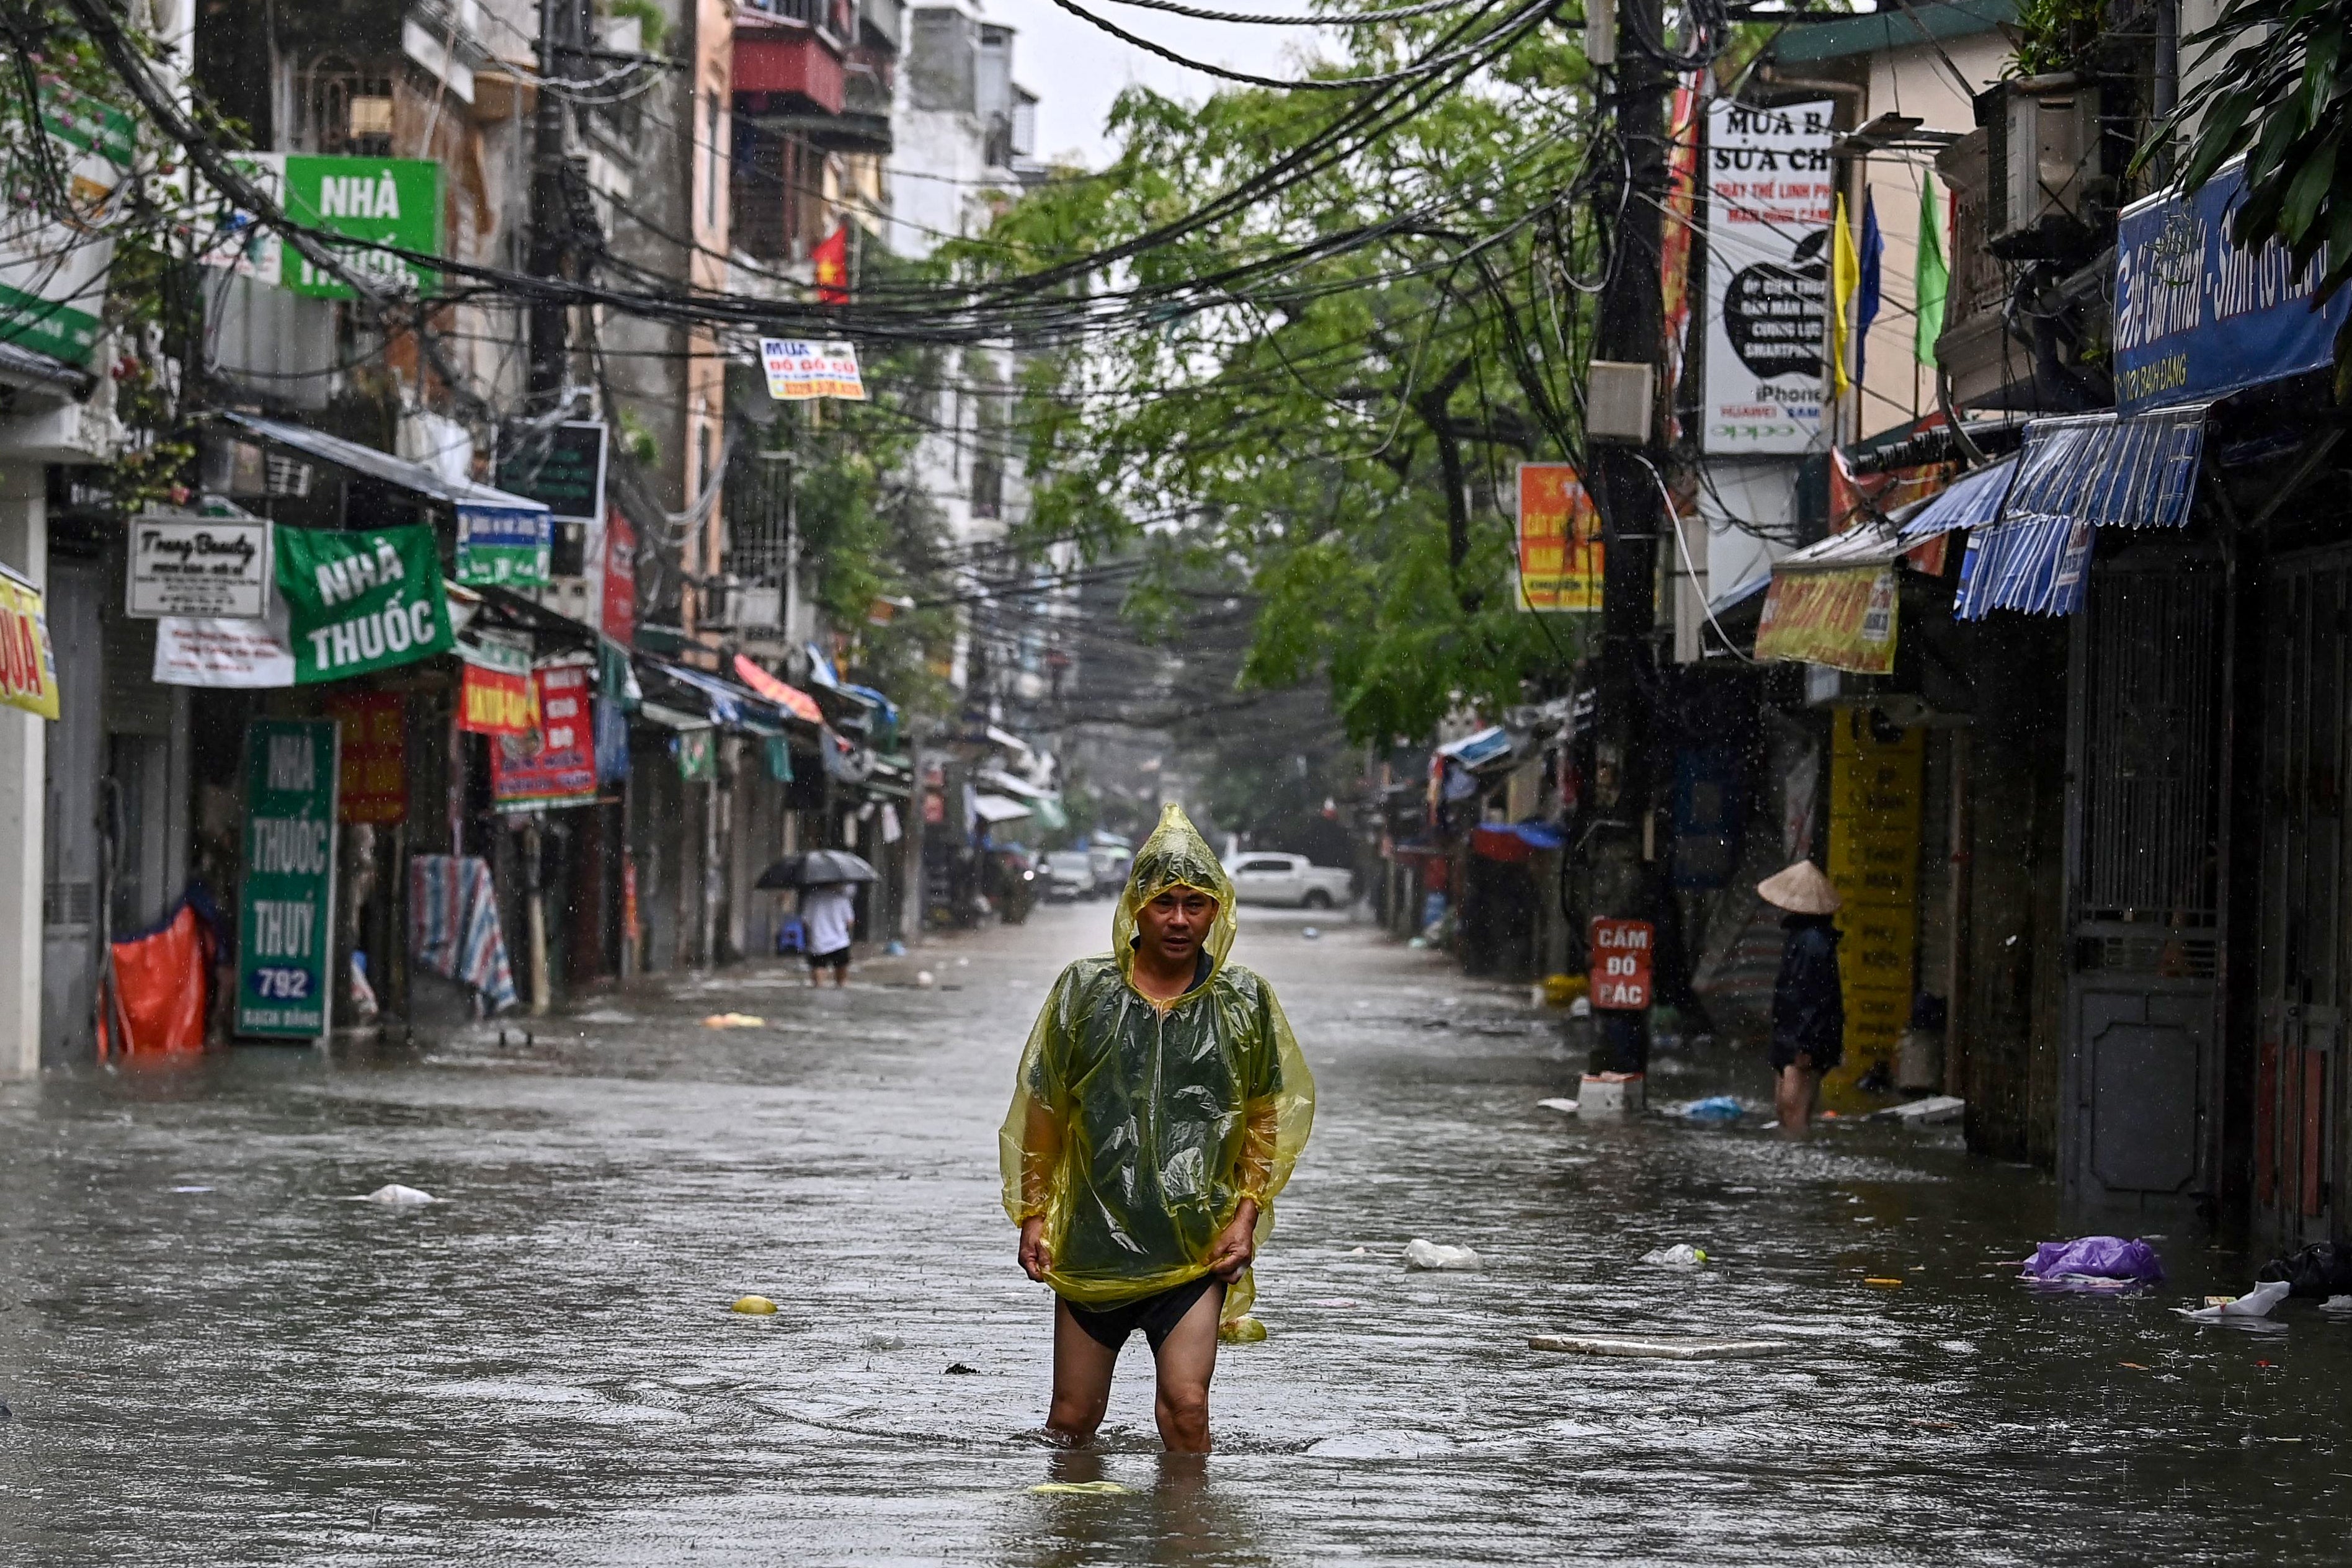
(828, 913)
(828, 909)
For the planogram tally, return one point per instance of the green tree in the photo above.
(2282, 97)
(1325, 387)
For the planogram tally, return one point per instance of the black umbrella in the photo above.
(815, 867)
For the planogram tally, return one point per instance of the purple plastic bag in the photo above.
(2097, 1257)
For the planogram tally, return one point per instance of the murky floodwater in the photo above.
(214, 1356)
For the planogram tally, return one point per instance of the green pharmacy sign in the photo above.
(361, 599)
(286, 900)
(390, 201)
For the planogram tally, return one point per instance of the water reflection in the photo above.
(543, 1367)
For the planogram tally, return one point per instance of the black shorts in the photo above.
(1156, 1315)
(837, 959)
(1784, 1053)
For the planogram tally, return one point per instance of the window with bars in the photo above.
(759, 517)
(344, 108)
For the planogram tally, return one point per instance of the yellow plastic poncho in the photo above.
(1136, 1131)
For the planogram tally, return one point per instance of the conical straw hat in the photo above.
(1800, 890)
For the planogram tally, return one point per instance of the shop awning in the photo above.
(799, 703)
(996, 808)
(1973, 502)
(384, 465)
(2110, 471)
(669, 718)
(1834, 602)
(2075, 476)
(1476, 751)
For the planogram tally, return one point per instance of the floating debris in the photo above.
(1658, 1348)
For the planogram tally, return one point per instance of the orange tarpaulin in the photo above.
(162, 983)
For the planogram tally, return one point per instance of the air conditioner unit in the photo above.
(2043, 135)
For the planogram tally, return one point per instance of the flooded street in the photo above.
(213, 1354)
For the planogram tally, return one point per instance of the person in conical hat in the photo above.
(1161, 1105)
(1808, 1002)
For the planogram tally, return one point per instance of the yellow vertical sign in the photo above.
(1559, 540)
(1875, 865)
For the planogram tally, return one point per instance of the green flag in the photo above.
(1934, 278)
(366, 599)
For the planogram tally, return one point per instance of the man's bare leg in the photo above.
(1082, 1369)
(1797, 1094)
(1187, 1361)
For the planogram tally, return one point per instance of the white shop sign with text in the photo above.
(215, 568)
(1768, 191)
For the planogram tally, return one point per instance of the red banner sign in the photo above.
(620, 565)
(497, 702)
(375, 785)
(1621, 963)
(557, 765)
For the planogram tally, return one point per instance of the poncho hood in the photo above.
(1175, 855)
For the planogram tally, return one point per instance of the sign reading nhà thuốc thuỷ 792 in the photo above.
(286, 901)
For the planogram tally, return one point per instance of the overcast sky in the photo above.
(1076, 70)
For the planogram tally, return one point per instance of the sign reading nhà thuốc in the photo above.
(393, 202)
(361, 600)
(286, 897)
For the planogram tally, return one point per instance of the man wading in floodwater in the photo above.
(1161, 1105)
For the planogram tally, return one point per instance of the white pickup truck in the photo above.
(1261, 877)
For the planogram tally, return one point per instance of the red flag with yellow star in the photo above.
(831, 261)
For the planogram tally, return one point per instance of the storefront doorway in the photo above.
(2299, 1065)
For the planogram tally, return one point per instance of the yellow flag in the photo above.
(1845, 276)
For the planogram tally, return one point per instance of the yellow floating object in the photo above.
(1560, 990)
(1884, 1284)
(734, 1021)
(753, 1306)
(1080, 1488)
(1242, 1331)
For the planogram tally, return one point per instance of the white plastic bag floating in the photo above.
(1419, 1254)
(1681, 1255)
(2257, 1302)
(1565, 1107)
(394, 1195)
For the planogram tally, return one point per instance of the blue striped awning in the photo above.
(2034, 565)
(2111, 471)
(1973, 502)
(2075, 476)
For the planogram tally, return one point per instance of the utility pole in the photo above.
(551, 217)
(550, 365)
(1630, 328)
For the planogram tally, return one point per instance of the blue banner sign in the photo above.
(2196, 317)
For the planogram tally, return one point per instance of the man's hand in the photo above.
(1036, 1258)
(1237, 1244)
